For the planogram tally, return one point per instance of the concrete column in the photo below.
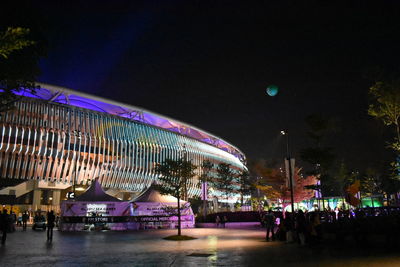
(56, 198)
(37, 194)
(55, 203)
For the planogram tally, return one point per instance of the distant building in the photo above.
(57, 137)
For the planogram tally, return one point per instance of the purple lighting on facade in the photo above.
(69, 97)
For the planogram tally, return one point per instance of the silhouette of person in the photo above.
(4, 225)
(224, 221)
(217, 221)
(50, 225)
(25, 218)
(270, 225)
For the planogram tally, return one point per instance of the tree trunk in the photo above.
(204, 208)
(185, 192)
(227, 205)
(179, 215)
(205, 196)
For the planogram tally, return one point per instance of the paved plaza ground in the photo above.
(214, 247)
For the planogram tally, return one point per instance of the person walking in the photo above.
(4, 225)
(25, 218)
(269, 220)
(50, 225)
(301, 227)
(224, 221)
(217, 221)
(19, 219)
(314, 228)
(288, 223)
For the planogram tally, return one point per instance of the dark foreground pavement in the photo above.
(214, 247)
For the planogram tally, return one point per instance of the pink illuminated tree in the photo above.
(273, 185)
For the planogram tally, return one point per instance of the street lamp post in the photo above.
(288, 158)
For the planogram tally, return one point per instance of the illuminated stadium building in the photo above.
(57, 137)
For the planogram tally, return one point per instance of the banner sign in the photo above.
(292, 168)
(92, 220)
(160, 209)
(186, 218)
(88, 209)
(155, 215)
(78, 216)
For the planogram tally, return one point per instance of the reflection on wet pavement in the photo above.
(214, 247)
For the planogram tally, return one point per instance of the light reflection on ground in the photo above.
(228, 247)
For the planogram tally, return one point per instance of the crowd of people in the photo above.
(309, 227)
(303, 227)
(9, 221)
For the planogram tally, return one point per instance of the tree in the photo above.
(319, 155)
(273, 185)
(386, 107)
(301, 190)
(19, 64)
(271, 182)
(14, 39)
(174, 177)
(385, 184)
(225, 179)
(342, 179)
(369, 183)
(245, 184)
(205, 178)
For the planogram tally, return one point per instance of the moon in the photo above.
(272, 90)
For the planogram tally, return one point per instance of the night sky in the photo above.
(208, 63)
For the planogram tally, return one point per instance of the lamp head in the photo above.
(283, 132)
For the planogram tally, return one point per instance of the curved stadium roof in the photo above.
(56, 94)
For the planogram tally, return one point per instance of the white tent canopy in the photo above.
(154, 210)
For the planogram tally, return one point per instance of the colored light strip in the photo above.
(73, 98)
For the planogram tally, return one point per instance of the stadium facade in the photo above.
(57, 137)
